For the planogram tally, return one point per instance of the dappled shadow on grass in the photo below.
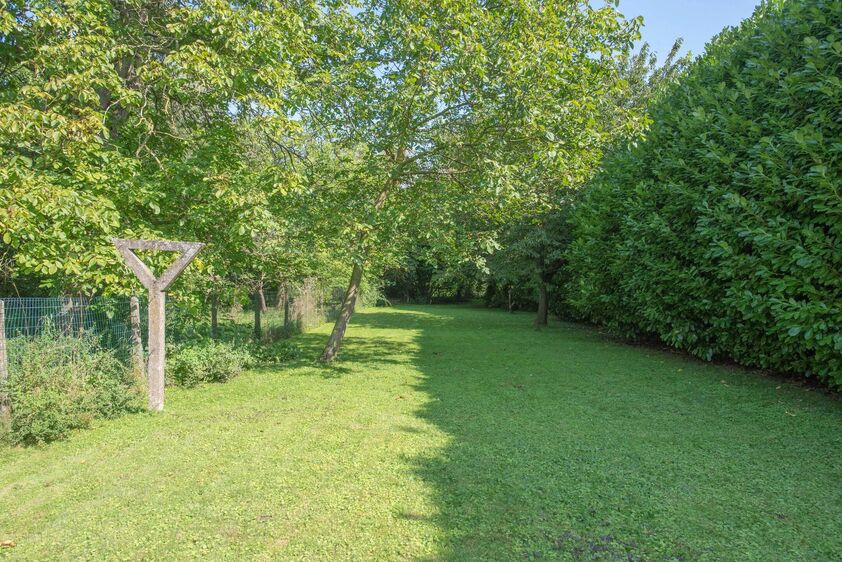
(368, 349)
(564, 445)
(356, 351)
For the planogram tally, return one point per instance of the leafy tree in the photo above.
(428, 101)
(532, 254)
(102, 103)
(645, 79)
(533, 245)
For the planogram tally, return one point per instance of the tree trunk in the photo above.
(261, 298)
(281, 297)
(214, 316)
(350, 300)
(286, 305)
(543, 308)
(511, 304)
(258, 328)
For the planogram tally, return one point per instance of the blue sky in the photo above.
(697, 21)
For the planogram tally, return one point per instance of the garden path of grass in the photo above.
(447, 433)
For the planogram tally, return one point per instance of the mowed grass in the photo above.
(447, 433)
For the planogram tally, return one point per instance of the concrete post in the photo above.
(157, 349)
(157, 288)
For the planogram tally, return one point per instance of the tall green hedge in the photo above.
(721, 231)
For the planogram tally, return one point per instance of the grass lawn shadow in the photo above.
(366, 350)
(565, 445)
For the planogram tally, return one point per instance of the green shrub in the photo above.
(279, 351)
(206, 360)
(60, 383)
(721, 231)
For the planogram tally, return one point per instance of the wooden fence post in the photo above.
(157, 288)
(5, 407)
(138, 364)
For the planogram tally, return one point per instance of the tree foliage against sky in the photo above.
(289, 135)
(124, 118)
(533, 247)
(460, 108)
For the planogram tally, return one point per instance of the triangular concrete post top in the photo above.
(188, 251)
(157, 298)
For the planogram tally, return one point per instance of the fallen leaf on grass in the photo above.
(7, 544)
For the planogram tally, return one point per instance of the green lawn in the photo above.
(447, 433)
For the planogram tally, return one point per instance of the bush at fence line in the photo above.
(278, 351)
(206, 360)
(60, 383)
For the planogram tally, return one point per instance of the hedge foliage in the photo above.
(721, 231)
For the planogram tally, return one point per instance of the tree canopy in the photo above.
(294, 136)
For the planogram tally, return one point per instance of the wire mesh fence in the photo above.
(294, 308)
(103, 320)
(71, 358)
(107, 320)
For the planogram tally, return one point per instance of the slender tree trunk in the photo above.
(258, 328)
(350, 300)
(348, 303)
(261, 297)
(279, 302)
(543, 307)
(214, 316)
(511, 305)
(286, 305)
